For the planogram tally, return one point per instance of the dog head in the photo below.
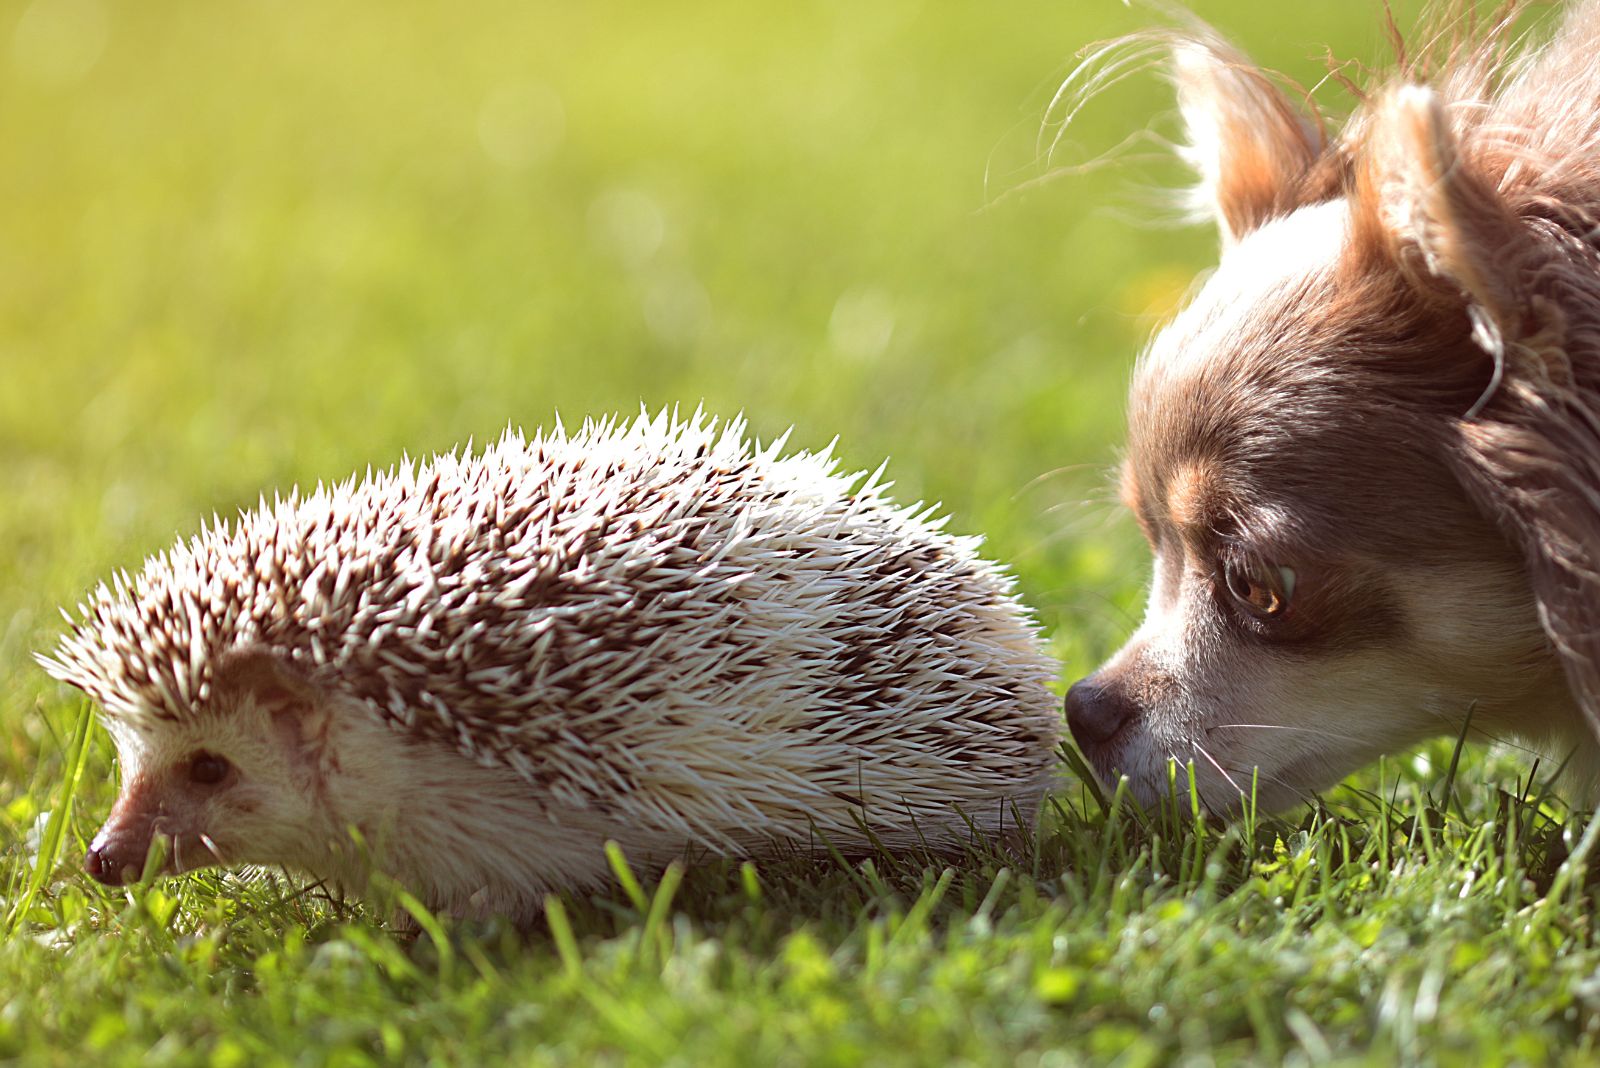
(1365, 456)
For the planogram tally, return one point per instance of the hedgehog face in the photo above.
(242, 781)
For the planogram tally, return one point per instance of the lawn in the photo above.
(248, 245)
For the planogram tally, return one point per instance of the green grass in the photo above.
(246, 245)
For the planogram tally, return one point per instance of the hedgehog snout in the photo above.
(108, 865)
(159, 822)
(117, 854)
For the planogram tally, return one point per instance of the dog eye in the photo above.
(207, 769)
(1262, 589)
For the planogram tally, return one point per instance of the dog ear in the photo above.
(1249, 145)
(1419, 205)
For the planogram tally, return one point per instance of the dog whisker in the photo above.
(1256, 772)
(1337, 736)
(1080, 506)
(1220, 769)
(1456, 726)
(1045, 476)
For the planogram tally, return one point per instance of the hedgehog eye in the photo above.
(207, 769)
(1261, 589)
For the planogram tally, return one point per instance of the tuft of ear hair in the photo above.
(1250, 146)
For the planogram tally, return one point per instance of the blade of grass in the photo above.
(625, 877)
(1455, 760)
(56, 827)
(659, 906)
(555, 914)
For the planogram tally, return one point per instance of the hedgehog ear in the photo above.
(270, 679)
(1419, 206)
(1250, 146)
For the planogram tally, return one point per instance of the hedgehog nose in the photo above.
(113, 860)
(101, 867)
(1097, 711)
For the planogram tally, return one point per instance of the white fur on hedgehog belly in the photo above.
(473, 840)
(476, 840)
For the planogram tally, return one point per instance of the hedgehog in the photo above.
(471, 674)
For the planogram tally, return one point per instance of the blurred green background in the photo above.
(248, 244)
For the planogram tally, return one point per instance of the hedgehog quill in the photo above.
(470, 673)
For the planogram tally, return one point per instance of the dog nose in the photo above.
(1096, 712)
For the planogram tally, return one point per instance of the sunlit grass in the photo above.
(245, 245)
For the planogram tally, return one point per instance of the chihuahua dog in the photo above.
(1366, 456)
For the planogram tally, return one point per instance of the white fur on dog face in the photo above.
(1284, 256)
